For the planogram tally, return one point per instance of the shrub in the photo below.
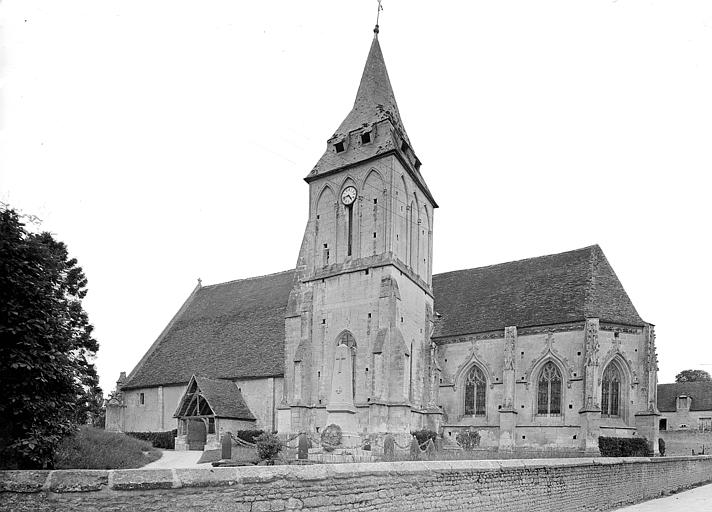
(268, 446)
(249, 435)
(165, 440)
(468, 439)
(92, 448)
(623, 447)
(331, 437)
(424, 434)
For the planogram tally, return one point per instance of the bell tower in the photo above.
(360, 315)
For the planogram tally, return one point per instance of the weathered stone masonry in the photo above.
(511, 485)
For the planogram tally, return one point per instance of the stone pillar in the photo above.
(341, 410)
(507, 413)
(590, 413)
(647, 422)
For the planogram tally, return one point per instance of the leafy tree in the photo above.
(693, 376)
(48, 384)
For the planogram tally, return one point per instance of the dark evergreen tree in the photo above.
(48, 384)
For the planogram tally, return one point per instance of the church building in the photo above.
(544, 353)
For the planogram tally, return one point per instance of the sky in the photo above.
(166, 141)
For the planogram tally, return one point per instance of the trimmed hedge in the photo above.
(165, 440)
(249, 435)
(624, 447)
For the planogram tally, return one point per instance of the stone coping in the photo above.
(84, 480)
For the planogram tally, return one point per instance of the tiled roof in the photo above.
(558, 288)
(236, 329)
(700, 392)
(229, 330)
(224, 398)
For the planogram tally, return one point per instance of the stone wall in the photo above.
(512, 486)
(683, 442)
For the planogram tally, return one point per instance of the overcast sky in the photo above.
(164, 141)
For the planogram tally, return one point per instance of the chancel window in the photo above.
(549, 391)
(475, 392)
(611, 391)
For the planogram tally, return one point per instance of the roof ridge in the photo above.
(518, 261)
(249, 278)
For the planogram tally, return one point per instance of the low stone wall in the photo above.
(505, 485)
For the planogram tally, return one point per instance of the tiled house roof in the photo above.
(700, 392)
(229, 330)
(547, 290)
(236, 329)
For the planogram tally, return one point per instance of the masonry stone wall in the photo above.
(515, 485)
(683, 442)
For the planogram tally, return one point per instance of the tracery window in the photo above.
(549, 391)
(611, 391)
(475, 392)
(347, 339)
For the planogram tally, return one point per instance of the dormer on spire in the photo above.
(374, 111)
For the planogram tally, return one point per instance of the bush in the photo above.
(331, 437)
(623, 447)
(468, 439)
(423, 435)
(165, 440)
(249, 435)
(92, 448)
(268, 446)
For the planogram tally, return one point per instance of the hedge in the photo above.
(423, 435)
(165, 440)
(249, 435)
(624, 447)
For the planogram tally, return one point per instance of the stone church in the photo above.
(544, 353)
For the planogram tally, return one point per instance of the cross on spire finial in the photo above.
(378, 14)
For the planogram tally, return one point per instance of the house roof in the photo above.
(236, 330)
(230, 330)
(700, 392)
(554, 289)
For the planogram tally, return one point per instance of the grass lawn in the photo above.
(93, 448)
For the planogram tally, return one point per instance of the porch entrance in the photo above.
(197, 435)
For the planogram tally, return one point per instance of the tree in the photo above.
(693, 376)
(47, 381)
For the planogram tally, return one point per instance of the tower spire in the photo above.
(378, 14)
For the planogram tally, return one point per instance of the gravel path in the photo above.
(171, 459)
(698, 499)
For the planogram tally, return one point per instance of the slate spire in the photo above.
(375, 100)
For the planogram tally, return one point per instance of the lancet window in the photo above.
(611, 391)
(475, 392)
(549, 391)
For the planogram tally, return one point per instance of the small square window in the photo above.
(141, 399)
(323, 321)
(369, 315)
(374, 234)
(375, 201)
(339, 147)
(365, 138)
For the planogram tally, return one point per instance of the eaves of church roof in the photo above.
(235, 330)
(230, 330)
(548, 290)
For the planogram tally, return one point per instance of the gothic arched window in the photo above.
(475, 392)
(549, 391)
(611, 391)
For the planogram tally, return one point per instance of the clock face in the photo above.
(348, 196)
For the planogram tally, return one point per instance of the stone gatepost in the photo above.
(646, 423)
(507, 413)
